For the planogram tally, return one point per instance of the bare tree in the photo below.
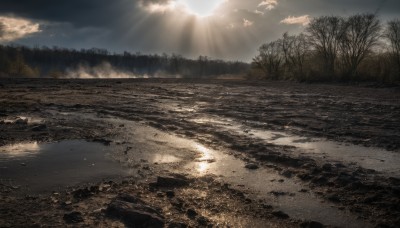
(392, 33)
(270, 59)
(287, 47)
(325, 34)
(2, 28)
(362, 33)
(300, 49)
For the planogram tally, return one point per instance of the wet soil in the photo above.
(198, 153)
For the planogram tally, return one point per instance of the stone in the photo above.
(170, 194)
(287, 173)
(177, 225)
(251, 166)
(191, 213)
(327, 167)
(170, 182)
(21, 121)
(82, 193)
(134, 212)
(203, 221)
(278, 193)
(334, 198)
(73, 217)
(311, 224)
(280, 214)
(40, 127)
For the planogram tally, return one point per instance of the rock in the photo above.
(319, 180)
(280, 214)
(105, 142)
(66, 203)
(171, 182)
(21, 121)
(134, 212)
(203, 221)
(73, 217)
(276, 193)
(304, 176)
(82, 193)
(327, 167)
(311, 224)
(287, 173)
(191, 213)
(129, 198)
(334, 198)
(40, 127)
(251, 166)
(170, 194)
(178, 204)
(160, 194)
(266, 206)
(177, 225)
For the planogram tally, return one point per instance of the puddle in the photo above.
(40, 168)
(23, 119)
(386, 162)
(198, 160)
(159, 158)
(47, 166)
(263, 182)
(19, 150)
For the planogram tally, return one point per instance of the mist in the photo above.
(102, 71)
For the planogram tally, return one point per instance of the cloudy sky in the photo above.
(224, 29)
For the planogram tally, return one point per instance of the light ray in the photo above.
(201, 8)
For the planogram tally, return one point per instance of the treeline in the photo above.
(21, 61)
(333, 48)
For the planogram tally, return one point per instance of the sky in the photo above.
(219, 29)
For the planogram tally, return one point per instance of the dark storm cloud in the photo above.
(340, 7)
(238, 29)
(77, 12)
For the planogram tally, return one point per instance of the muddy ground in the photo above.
(185, 153)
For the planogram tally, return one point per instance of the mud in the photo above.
(249, 154)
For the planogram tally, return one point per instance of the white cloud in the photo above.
(16, 28)
(159, 7)
(268, 4)
(259, 12)
(302, 20)
(247, 23)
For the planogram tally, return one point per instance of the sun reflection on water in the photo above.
(20, 149)
(205, 159)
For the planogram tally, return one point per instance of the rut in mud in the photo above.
(283, 153)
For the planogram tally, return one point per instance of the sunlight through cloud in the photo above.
(201, 8)
(194, 7)
(16, 28)
(302, 20)
(247, 23)
(268, 4)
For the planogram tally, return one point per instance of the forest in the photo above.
(331, 49)
(334, 48)
(56, 62)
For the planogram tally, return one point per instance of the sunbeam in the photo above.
(201, 8)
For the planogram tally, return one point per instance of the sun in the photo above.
(201, 8)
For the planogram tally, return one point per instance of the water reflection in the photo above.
(205, 159)
(165, 158)
(23, 119)
(262, 181)
(46, 167)
(318, 148)
(19, 150)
